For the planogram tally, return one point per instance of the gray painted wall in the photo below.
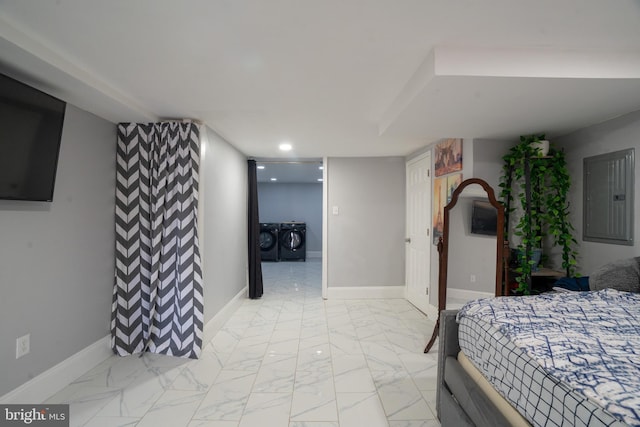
(613, 135)
(366, 238)
(297, 202)
(487, 160)
(481, 158)
(223, 225)
(57, 259)
(479, 252)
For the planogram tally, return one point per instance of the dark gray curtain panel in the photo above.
(157, 295)
(255, 267)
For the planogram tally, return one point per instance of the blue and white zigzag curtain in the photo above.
(157, 296)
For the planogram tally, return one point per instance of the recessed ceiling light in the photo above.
(260, 166)
(320, 179)
(274, 179)
(321, 167)
(285, 146)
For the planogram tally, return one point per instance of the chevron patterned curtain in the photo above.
(157, 296)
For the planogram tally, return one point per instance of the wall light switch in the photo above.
(336, 210)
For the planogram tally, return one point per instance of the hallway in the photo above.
(287, 359)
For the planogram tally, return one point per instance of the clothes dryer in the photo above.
(269, 233)
(292, 238)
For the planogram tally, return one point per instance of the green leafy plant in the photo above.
(540, 185)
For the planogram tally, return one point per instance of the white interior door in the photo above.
(418, 237)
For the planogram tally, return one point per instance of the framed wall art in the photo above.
(439, 202)
(443, 189)
(448, 156)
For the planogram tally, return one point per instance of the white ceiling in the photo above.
(334, 77)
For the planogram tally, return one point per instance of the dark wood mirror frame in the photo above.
(502, 251)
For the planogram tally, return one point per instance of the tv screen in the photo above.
(30, 131)
(484, 218)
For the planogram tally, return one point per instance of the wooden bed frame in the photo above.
(459, 400)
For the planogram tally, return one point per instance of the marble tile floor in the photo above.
(289, 359)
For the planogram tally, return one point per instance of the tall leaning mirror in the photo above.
(471, 249)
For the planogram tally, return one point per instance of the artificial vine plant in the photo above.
(543, 204)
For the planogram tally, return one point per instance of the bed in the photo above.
(557, 359)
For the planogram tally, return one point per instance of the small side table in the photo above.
(542, 280)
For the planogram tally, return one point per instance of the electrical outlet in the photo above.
(472, 279)
(23, 345)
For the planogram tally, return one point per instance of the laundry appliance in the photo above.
(292, 240)
(269, 234)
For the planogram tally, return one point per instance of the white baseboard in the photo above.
(366, 292)
(215, 324)
(456, 298)
(466, 294)
(48, 383)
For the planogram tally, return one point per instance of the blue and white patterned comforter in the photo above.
(589, 340)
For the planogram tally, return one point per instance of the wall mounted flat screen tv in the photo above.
(30, 131)
(484, 218)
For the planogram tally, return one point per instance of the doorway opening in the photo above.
(290, 200)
